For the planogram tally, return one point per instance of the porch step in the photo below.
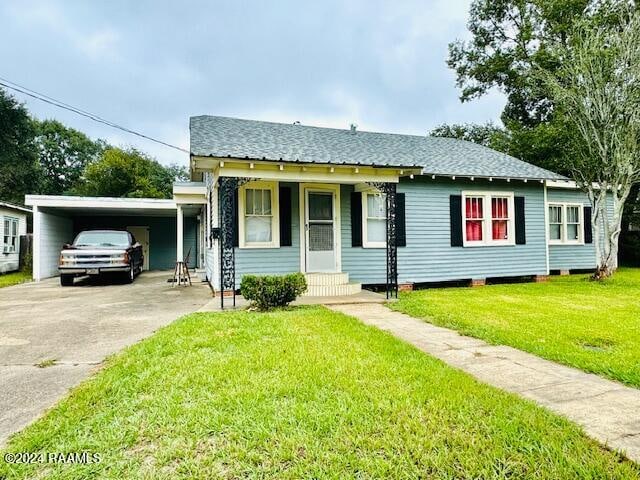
(330, 285)
(333, 290)
(324, 279)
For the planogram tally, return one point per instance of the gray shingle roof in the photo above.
(257, 140)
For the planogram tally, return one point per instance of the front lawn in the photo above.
(300, 393)
(14, 278)
(589, 325)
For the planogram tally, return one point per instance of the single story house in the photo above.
(13, 225)
(350, 207)
(345, 207)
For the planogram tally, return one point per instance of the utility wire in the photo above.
(57, 103)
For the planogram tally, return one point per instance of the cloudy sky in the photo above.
(149, 65)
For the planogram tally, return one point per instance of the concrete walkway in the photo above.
(608, 411)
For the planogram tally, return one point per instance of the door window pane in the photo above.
(320, 206)
(320, 237)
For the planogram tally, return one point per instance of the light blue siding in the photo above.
(268, 261)
(570, 257)
(429, 256)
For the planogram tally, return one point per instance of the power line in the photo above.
(60, 104)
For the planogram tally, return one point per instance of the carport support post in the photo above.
(180, 229)
(36, 243)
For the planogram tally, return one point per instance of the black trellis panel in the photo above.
(389, 190)
(227, 205)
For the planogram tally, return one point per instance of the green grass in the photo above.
(300, 393)
(14, 278)
(572, 320)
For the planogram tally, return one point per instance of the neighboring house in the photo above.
(270, 198)
(13, 224)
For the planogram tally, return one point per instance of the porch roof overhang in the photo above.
(300, 171)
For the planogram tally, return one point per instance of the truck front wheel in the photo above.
(66, 280)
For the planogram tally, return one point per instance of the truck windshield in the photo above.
(102, 239)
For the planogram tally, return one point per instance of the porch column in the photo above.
(180, 235)
(227, 206)
(392, 241)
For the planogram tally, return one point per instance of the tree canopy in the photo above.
(488, 135)
(20, 172)
(597, 87)
(129, 173)
(510, 41)
(47, 157)
(64, 153)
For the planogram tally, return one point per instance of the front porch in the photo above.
(329, 222)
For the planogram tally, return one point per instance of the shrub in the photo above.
(268, 291)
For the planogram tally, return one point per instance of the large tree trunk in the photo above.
(607, 226)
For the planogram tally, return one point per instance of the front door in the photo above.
(320, 250)
(141, 235)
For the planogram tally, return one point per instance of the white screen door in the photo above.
(320, 231)
(141, 235)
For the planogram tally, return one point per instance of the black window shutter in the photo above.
(521, 235)
(356, 219)
(235, 218)
(455, 218)
(285, 216)
(401, 223)
(588, 228)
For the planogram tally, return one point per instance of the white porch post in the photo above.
(179, 239)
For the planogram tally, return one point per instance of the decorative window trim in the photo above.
(365, 221)
(8, 234)
(487, 219)
(275, 214)
(563, 225)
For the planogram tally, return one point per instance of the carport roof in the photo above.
(103, 205)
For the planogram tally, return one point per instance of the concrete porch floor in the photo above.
(363, 297)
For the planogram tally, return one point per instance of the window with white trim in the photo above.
(555, 222)
(10, 237)
(374, 226)
(565, 223)
(488, 218)
(258, 215)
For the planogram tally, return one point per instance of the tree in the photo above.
(510, 40)
(488, 135)
(597, 88)
(19, 170)
(63, 153)
(128, 173)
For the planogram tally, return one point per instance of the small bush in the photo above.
(269, 291)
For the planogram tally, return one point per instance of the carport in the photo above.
(154, 223)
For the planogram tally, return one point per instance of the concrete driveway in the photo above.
(77, 327)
